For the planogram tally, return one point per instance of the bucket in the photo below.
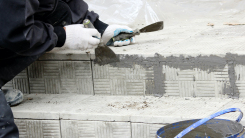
(205, 128)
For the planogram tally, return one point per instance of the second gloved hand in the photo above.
(78, 37)
(114, 30)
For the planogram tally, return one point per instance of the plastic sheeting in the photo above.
(127, 12)
(144, 12)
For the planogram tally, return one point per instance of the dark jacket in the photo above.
(23, 32)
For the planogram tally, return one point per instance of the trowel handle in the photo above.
(87, 24)
(125, 36)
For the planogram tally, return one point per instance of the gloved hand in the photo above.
(114, 30)
(78, 37)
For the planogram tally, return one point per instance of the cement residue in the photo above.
(209, 64)
(128, 61)
(134, 103)
(131, 105)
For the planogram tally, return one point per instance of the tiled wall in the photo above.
(85, 77)
(84, 129)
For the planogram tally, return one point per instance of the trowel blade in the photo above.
(153, 27)
(104, 55)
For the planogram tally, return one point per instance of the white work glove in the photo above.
(114, 30)
(78, 37)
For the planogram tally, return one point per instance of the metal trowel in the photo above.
(150, 28)
(103, 54)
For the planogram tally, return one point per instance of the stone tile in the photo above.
(149, 87)
(95, 129)
(19, 82)
(205, 88)
(135, 87)
(141, 130)
(240, 72)
(66, 54)
(172, 88)
(8, 85)
(110, 80)
(241, 88)
(58, 77)
(186, 88)
(38, 128)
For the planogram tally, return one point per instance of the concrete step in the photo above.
(80, 116)
(182, 60)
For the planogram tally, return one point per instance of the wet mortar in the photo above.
(205, 63)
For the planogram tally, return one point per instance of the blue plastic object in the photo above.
(214, 125)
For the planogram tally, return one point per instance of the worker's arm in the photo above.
(19, 31)
(79, 12)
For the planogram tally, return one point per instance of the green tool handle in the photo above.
(88, 24)
(125, 36)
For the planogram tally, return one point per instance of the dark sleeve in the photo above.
(100, 26)
(19, 31)
(60, 32)
(79, 11)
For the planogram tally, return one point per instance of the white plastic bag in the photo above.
(125, 12)
(172, 12)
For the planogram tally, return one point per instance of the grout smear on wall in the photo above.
(210, 64)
